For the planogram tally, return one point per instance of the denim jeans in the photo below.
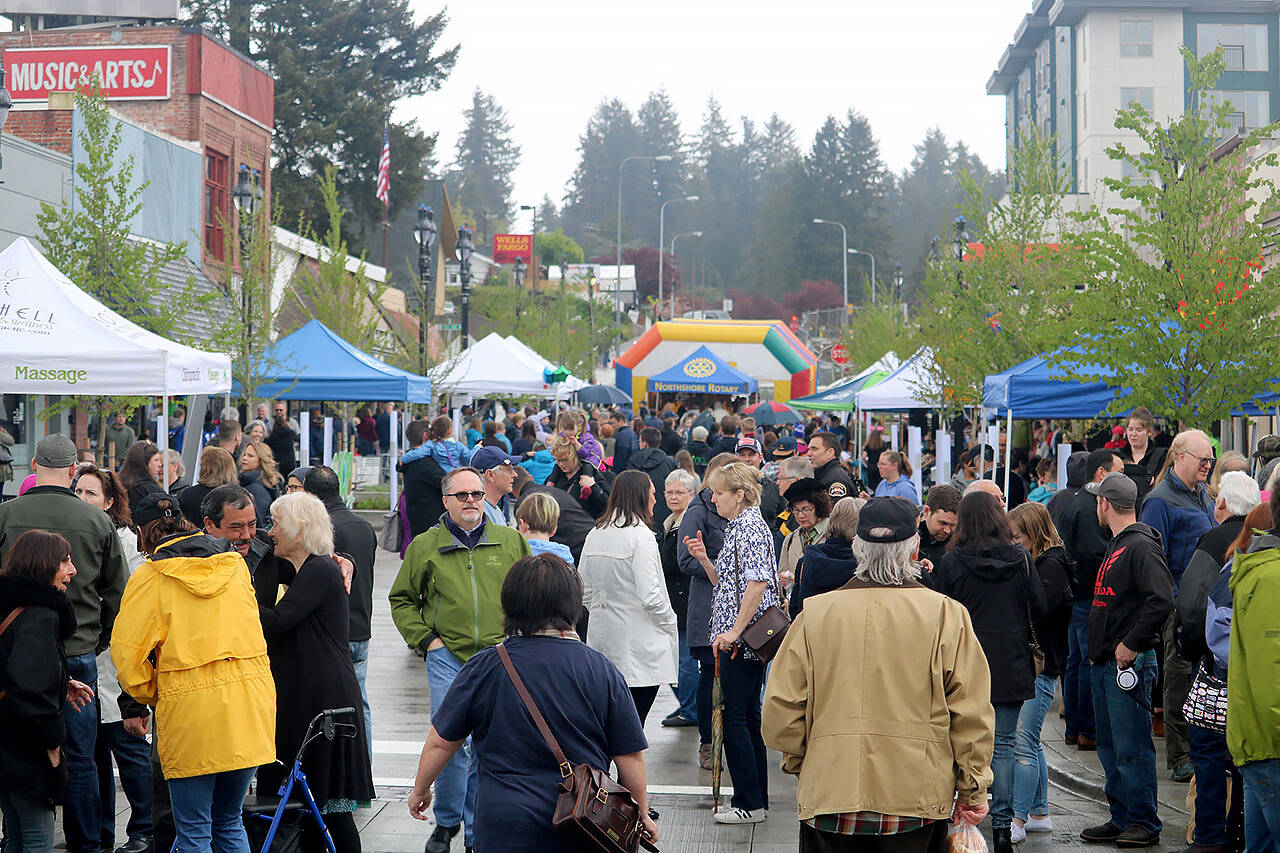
(455, 801)
(207, 812)
(28, 823)
(1125, 746)
(744, 751)
(1213, 765)
(1002, 764)
(706, 679)
(687, 680)
(1077, 699)
(81, 809)
(360, 658)
(132, 755)
(1031, 771)
(1261, 806)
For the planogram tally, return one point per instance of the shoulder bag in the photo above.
(764, 635)
(1037, 653)
(1206, 704)
(592, 809)
(390, 537)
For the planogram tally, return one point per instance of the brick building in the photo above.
(173, 80)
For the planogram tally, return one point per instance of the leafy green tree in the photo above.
(556, 324)
(1014, 296)
(876, 330)
(555, 246)
(349, 303)
(1182, 304)
(339, 68)
(487, 157)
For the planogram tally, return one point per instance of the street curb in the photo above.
(1091, 788)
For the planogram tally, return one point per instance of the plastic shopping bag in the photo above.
(965, 838)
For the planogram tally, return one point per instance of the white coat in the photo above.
(631, 620)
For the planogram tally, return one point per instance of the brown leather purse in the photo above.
(592, 809)
(765, 634)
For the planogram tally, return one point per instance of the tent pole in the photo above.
(162, 439)
(1008, 457)
(392, 479)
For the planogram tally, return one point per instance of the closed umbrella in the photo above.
(717, 733)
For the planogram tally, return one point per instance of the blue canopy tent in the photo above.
(316, 364)
(702, 372)
(1032, 389)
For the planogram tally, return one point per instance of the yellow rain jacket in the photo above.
(192, 605)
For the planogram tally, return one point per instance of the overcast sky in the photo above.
(907, 65)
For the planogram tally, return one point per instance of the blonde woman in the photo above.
(746, 584)
(307, 640)
(1230, 460)
(537, 518)
(217, 468)
(260, 478)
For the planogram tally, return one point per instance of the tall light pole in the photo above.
(5, 103)
(533, 245)
(464, 250)
(662, 211)
(247, 195)
(673, 252)
(426, 232)
(959, 243)
(873, 277)
(617, 289)
(844, 256)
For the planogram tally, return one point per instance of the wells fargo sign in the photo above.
(508, 247)
(124, 72)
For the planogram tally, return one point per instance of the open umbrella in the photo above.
(717, 733)
(770, 413)
(603, 395)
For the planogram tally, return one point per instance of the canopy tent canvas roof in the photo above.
(493, 367)
(702, 372)
(842, 396)
(902, 389)
(316, 364)
(530, 357)
(57, 339)
(1034, 389)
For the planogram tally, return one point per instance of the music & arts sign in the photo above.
(124, 72)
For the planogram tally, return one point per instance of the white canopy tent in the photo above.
(492, 367)
(530, 356)
(902, 389)
(57, 339)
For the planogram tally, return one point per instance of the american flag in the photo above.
(384, 168)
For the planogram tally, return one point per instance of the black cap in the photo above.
(1268, 447)
(149, 509)
(888, 520)
(1117, 488)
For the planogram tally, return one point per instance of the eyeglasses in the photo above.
(464, 497)
(1201, 461)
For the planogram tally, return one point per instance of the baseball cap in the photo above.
(55, 451)
(784, 447)
(886, 520)
(1116, 488)
(149, 508)
(699, 433)
(747, 443)
(491, 457)
(1268, 446)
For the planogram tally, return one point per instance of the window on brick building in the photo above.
(216, 213)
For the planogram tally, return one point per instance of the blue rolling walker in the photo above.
(294, 797)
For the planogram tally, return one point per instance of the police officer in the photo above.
(824, 453)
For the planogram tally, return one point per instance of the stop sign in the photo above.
(795, 324)
(840, 354)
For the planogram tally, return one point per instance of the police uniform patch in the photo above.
(838, 490)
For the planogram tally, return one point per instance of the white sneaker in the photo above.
(1037, 824)
(734, 816)
(1017, 834)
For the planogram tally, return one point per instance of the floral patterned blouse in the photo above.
(747, 555)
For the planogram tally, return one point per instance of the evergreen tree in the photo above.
(589, 209)
(339, 67)
(487, 156)
(659, 128)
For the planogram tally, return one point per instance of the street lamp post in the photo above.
(673, 252)
(246, 195)
(873, 278)
(426, 232)
(898, 279)
(617, 289)
(959, 242)
(662, 212)
(844, 257)
(533, 245)
(5, 103)
(463, 251)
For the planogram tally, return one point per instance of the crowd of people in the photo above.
(579, 560)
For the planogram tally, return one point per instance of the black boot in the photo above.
(1002, 840)
(442, 838)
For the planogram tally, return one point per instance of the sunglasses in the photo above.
(463, 497)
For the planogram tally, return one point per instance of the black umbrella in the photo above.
(603, 395)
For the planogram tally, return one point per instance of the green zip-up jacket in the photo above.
(449, 591)
(1253, 677)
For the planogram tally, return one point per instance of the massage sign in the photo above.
(123, 72)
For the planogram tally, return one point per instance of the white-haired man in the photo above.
(921, 650)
